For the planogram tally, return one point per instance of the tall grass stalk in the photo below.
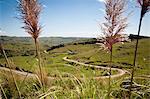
(109, 82)
(30, 12)
(113, 28)
(9, 66)
(39, 60)
(145, 7)
(3, 91)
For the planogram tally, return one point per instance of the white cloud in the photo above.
(102, 10)
(2, 32)
(101, 0)
(44, 6)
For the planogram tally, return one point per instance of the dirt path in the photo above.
(121, 71)
(21, 73)
(31, 75)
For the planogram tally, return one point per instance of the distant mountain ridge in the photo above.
(50, 41)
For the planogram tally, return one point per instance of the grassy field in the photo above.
(24, 46)
(122, 55)
(89, 54)
(53, 62)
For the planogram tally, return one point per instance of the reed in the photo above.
(145, 7)
(112, 29)
(29, 14)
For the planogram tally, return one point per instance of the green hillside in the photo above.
(16, 46)
(86, 53)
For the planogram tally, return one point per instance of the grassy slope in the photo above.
(122, 56)
(87, 53)
(52, 61)
(15, 46)
(122, 53)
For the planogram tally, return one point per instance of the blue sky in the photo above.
(68, 18)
